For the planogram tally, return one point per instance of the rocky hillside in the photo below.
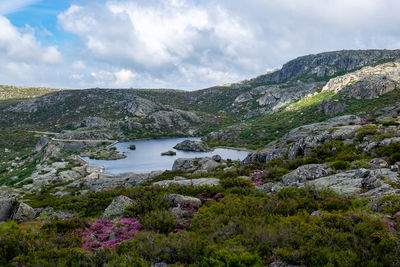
(101, 114)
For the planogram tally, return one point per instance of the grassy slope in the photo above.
(21, 92)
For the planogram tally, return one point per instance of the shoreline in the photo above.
(214, 147)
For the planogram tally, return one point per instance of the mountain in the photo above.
(320, 188)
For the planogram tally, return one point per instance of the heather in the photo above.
(238, 226)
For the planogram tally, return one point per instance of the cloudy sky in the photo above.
(178, 43)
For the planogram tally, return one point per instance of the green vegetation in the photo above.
(245, 228)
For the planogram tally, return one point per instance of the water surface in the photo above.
(147, 156)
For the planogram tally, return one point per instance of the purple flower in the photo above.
(103, 233)
(218, 196)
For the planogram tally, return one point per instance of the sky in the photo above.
(178, 44)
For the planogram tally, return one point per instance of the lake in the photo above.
(147, 156)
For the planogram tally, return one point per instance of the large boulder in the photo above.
(305, 173)
(197, 164)
(23, 213)
(362, 182)
(329, 107)
(265, 155)
(117, 207)
(189, 145)
(6, 208)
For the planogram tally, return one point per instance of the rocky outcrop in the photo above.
(326, 64)
(23, 213)
(117, 207)
(6, 209)
(300, 141)
(198, 164)
(190, 182)
(305, 173)
(329, 107)
(367, 83)
(365, 183)
(189, 145)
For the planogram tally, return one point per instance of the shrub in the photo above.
(365, 130)
(389, 204)
(107, 234)
(360, 164)
(236, 182)
(160, 221)
(339, 165)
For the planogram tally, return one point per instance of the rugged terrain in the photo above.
(322, 189)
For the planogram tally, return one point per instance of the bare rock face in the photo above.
(117, 207)
(329, 107)
(367, 83)
(326, 64)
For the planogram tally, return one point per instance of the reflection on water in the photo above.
(147, 156)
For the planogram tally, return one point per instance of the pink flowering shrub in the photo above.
(256, 177)
(103, 233)
(218, 196)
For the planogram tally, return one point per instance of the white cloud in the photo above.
(188, 44)
(162, 37)
(124, 77)
(10, 6)
(22, 45)
(78, 65)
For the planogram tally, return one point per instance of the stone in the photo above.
(67, 176)
(345, 132)
(305, 173)
(265, 155)
(179, 178)
(196, 164)
(94, 168)
(176, 200)
(6, 208)
(23, 213)
(216, 158)
(378, 163)
(190, 182)
(270, 187)
(180, 213)
(117, 207)
(329, 107)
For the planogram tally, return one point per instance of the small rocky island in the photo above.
(189, 145)
(168, 153)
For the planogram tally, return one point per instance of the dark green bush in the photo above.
(236, 182)
(159, 221)
(365, 130)
(339, 165)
